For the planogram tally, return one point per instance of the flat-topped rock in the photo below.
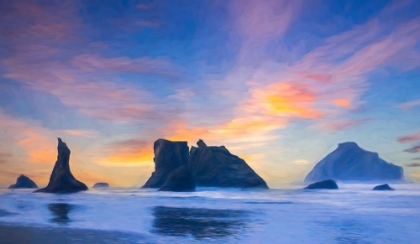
(61, 179)
(384, 187)
(325, 184)
(349, 162)
(23, 182)
(169, 156)
(214, 166)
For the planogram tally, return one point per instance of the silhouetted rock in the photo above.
(168, 157)
(180, 179)
(349, 162)
(61, 179)
(384, 187)
(101, 185)
(325, 184)
(23, 182)
(216, 166)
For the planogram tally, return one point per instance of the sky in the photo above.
(279, 83)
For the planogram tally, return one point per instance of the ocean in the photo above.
(352, 214)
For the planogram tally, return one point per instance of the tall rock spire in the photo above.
(61, 179)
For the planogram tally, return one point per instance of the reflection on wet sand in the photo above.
(199, 222)
(61, 212)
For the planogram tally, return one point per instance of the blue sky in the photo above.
(279, 83)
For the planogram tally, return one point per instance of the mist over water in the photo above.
(352, 214)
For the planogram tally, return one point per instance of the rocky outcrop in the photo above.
(349, 162)
(61, 179)
(169, 156)
(325, 184)
(101, 185)
(216, 167)
(23, 182)
(179, 180)
(384, 187)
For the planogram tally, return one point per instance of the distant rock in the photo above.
(61, 179)
(325, 184)
(349, 162)
(384, 187)
(23, 182)
(169, 156)
(179, 180)
(101, 185)
(216, 167)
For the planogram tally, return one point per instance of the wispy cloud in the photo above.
(413, 165)
(413, 149)
(409, 138)
(408, 105)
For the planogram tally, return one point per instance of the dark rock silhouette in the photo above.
(216, 166)
(180, 179)
(349, 162)
(325, 184)
(23, 182)
(61, 179)
(169, 156)
(101, 185)
(384, 187)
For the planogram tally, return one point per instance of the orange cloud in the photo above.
(341, 102)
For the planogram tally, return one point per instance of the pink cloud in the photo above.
(409, 138)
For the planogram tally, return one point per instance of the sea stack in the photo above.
(214, 166)
(325, 184)
(169, 156)
(61, 179)
(23, 182)
(101, 185)
(349, 162)
(180, 180)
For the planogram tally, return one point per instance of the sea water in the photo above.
(352, 214)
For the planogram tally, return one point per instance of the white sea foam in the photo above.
(352, 214)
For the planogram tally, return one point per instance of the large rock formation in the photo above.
(61, 179)
(169, 156)
(23, 182)
(101, 185)
(216, 166)
(180, 179)
(325, 184)
(349, 162)
(384, 187)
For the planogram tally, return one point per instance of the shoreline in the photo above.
(22, 234)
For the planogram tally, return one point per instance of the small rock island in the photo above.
(325, 184)
(101, 185)
(23, 182)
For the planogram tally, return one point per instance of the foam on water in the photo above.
(352, 214)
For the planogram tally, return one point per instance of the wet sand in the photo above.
(12, 234)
